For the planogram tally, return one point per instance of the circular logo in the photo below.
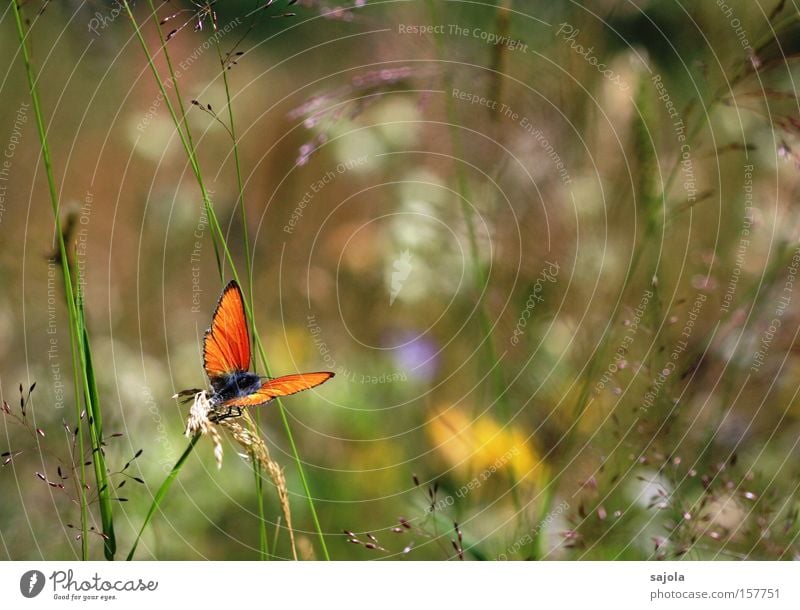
(31, 583)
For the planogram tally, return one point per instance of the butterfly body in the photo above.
(226, 359)
(236, 385)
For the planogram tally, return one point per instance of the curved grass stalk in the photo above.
(95, 422)
(78, 374)
(162, 491)
(262, 523)
(652, 224)
(218, 235)
(263, 543)
(480, 277)
(263, 548)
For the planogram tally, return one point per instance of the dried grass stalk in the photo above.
(254, 446)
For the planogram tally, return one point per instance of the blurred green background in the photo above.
(622, 176)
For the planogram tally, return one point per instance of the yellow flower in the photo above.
(479, 448)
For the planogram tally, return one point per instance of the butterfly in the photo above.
(226, 360)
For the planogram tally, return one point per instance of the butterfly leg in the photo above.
(232, 413)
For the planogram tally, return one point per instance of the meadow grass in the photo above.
(499, 389)
(162, 493)
(86, 395)
(220, 241)
(240, 203)
(658, 208)
(81, 354)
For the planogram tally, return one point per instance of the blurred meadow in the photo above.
(550, 251)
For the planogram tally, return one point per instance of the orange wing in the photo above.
(281, 386)
(226, 348)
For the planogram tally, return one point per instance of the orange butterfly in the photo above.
(226, 359)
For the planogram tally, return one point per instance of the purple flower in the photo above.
(415, 354)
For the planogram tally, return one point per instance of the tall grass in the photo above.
(240, 201)
(162, 492)
(179, 120)
(658, 207)
(657, 440)
(499, 394)
(95, 421)
(81, 355)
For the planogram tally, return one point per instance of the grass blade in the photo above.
(262, 523)
(96, 436)
(74, 325)
(263, 545)
(218, 236)
(162, 491)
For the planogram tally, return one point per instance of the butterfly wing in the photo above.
(226, 348)
(280, 386)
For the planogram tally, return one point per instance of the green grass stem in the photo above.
(219, 236)
(162, 492)
(79, 377)
(95, 423)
